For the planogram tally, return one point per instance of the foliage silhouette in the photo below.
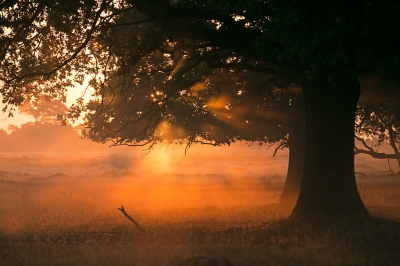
(378, 116)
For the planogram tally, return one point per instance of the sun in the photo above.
(160, 160)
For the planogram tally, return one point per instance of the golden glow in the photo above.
(163, 157)
(197, 88)
(18, 119)
(181, 63)
(169, 132)
(217, 103)
(161, 160)
(214, 184)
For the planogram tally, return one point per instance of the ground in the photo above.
(72, 218)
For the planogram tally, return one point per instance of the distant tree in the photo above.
(378, 119)
(44, 110)
(148, 59)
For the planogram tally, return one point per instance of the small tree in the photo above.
(378, 119)
(43, 110)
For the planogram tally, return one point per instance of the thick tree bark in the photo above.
(296, 143)
(328, 187)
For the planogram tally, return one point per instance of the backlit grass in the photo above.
(69, 220)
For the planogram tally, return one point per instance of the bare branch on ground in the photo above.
(131, 219)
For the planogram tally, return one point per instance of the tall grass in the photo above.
(75, 221)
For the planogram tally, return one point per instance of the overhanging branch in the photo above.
(249, 67)
(76, 52)
(371, 152)
(376, 155)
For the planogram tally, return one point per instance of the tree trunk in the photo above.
(296, 143)
(328, 187)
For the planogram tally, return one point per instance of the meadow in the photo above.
(55, 214)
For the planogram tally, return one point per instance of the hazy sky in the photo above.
(238, 158)
(19, 119)
(54, 139)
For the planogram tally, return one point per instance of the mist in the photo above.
(60, 192)
(52, 178)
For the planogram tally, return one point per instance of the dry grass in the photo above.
(66, 220)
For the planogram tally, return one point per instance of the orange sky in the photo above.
(237, 159)
(19, 119)
(52, 143)
(47, 139)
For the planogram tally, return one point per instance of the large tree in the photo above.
(156, 57)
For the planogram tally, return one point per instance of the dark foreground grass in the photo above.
(367, 242)
(59, 222)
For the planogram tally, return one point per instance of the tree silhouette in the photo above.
(43, 110)
(152, 65)
(378, 119)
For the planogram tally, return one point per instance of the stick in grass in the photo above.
(131, 219)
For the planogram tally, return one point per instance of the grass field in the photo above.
(64, 219)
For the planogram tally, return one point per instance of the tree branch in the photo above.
(77, 51)
(127, 23)
(371, 152)
(131, 219)
(258, 69)
(22, 28)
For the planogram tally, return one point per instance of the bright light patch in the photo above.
(161, 160)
